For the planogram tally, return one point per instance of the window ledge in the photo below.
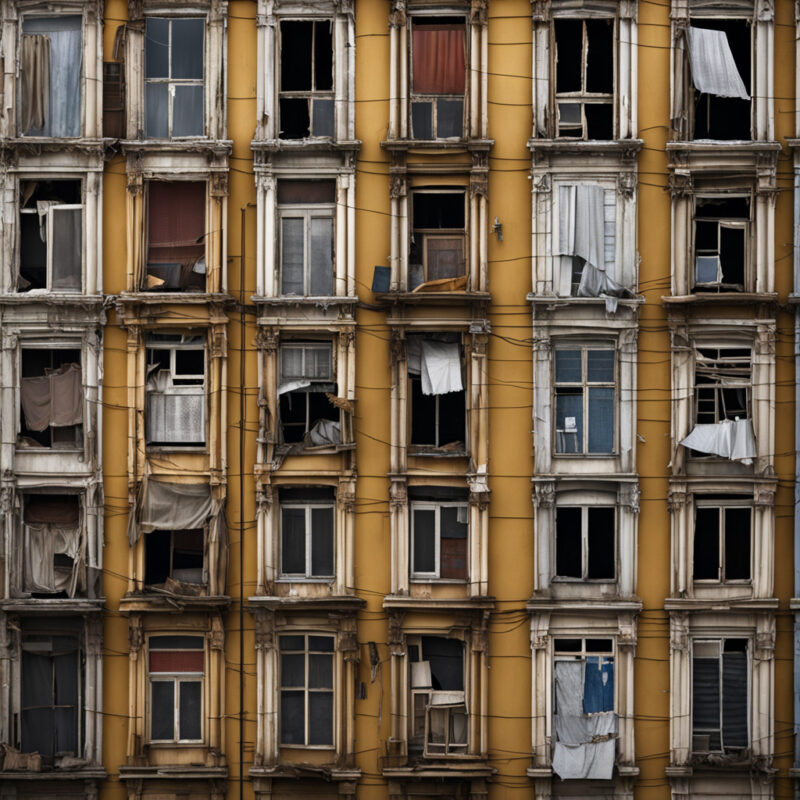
(747, 604)
(95, 146)
(468, 766)
(722, 146)
(199, 144)
(48, 297)
(169, 772)
(424, 451)
(145, 601)
(329, 603)
(584, 605)
(303, 145)
(431, 146)
(88, 773)
(432, 298)
(54, 606)
(297, 771)
(437, 604)
(624, 148)
(555, 300)
(176, 448)
(721, 298)
(298, 300)
(154, 298)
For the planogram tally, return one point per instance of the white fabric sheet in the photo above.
(325, 431)
(585, 761)
(713, 69)
(732, 439)
(440, 367)
(581, 225)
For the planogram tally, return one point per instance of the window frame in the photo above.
(719, 386)
(176, 679)
(436, 506)
(171, 82)
(308, 506)
(723, 506)
(433, 234)
(583, 97)
(730, 223)
(720, 642)
(306, 212)
(585, 503)
(313, 94)
(584, 386)
(580, 655)
(50, 243)
(307, 652)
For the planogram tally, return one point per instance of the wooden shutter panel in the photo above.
(113, 100)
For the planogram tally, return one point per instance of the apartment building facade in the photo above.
(397, 399)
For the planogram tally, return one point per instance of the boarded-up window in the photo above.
(51, 59)
(176, 669)
(176, 227)
(438, 78)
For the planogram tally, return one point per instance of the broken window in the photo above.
(176, 390)
(307, 414)
(719, 696)
(306, 94)
(722, 542)
(306, 695)
(51, 395)
(54, 556)
(585, 77)
(174, 556)
(176, 231)
(721, 242)
(585, 542)
(51, 689)
(585, 399)
(584, 719)
(307, 525)
(438, 240)
(173, 85)
(306, 210)
(438, 718)
(176, 670)
(719, 53)
(439, 528)
(51, 235)
(438, 79)
(438, 400)
(51, 59)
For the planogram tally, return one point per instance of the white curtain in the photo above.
(732, 439)
(713, 69)
(437, 363)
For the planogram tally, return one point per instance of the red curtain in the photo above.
(176, 661)
(177, 220)
(439, 63)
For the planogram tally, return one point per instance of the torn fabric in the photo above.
(53, 399)
(732, 439)
(580, 228)
(714, 70)
(325, 431)
(35, 68)
(52, 528)
(172, 506)
(437, 363)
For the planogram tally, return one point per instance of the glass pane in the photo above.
(155, 114)
(293, 718)
(322, 122)
(737, 543)
(66, 730)
(322, 644)
(320, 723)
(292, 248)
(568, 366)
(320, 671)
(162, 710)
(292, 643)
(323, 55)
(424, 544)
(293, 541)
(600, 366)
(569, 113)
(705, 694)
(187, 111)
(707, 269)
(291, 363)
(453, 522)
(187, 48)
(568, 543)
(601, 564)
(706, 544)
(569, 421)
(321, 256)
(190, 709)
(601, 420)
(422, 120)
(322, 541)
(293, 669)
(67, 238)
(156, 48)
(449, 116)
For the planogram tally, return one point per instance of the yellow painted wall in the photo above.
(509, 374)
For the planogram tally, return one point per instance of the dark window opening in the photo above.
(176, 555)
(113, 100)
(722, 384)
(722, 544)
(721, 243)
(726, 117)
(438, 242)
(51, 696)
(176, 668)
(569, 561)
(584, 71)
(585, 542)
(307, 533)
(438, 420)
(176, 246)
(306, 96)
(52, 397)
(51, 235)
(438, 78)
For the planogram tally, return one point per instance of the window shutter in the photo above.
(705, 697)
(178, 418)
(66, 248)
(734, 700)
(113, 100)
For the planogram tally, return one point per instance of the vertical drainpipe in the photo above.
(796, 649)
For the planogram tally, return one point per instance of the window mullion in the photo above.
(308, 537)
(721, 672)
(307, 251)
(170, 85)
(721, 565)
(306, 691)
(176, 703)
(584, 542)
(437, 541)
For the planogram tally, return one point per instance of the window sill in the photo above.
(437, 581)
(87, 773)
(176, 448)
(311, 143)
(623, 148)
(189, 144)
(433, 298)
(417, 451)
(438, 145)
(288, 579)
(732, 298)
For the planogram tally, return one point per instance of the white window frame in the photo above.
(308, 690)
(176, 678)
(723, 506)
(436, 507)
(583, 98)
(735, 223)
(309, 506)
(173, 82)
(306, 213)
(719, 641)
(432, 234)
(571, 500)
(721, 384)
(585, 385)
